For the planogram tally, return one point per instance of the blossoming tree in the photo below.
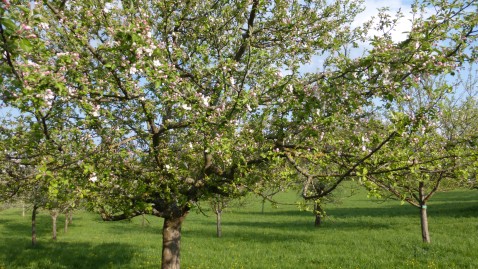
(184, 101)
(438, 152)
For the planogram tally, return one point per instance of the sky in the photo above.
(371, 11)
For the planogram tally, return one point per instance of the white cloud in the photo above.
(371, 10)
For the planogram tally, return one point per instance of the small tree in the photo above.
(437, 153)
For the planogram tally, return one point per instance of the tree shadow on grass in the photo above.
(272, 230)
(16, 250)
(16, 254)
(127, 227)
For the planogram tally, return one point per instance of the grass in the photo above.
(358, 233)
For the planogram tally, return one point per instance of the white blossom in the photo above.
(44, 25)
(96, 110)
(205, 100)
(149, 51)
(156, 63)
(31, 63)
(93, 178)
(48, 97)
(108, 7)
(186, 107)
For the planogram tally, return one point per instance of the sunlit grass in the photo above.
(357, 233)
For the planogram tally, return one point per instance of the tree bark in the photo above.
(66, 222)
(70, 217)
(34, 230)
(424, 223)
(423, 213)
(218, 223)
(318, 214)
(54, 217)
(172, 241)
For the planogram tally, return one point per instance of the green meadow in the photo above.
(357, 233)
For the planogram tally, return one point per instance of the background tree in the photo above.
(340, 150)
(437, 155)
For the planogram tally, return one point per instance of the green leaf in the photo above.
(9, 24)
(25, 44)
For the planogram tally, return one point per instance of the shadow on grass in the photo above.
(127, 227)
(16, 250)
(388, 211)
(270, 230)
(17, 254)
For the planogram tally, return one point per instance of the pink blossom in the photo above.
(26, 27)
(7, 3)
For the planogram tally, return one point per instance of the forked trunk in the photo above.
(171, 242)
(218, 223)
(34, 227)
(54, 217)
(424, 222)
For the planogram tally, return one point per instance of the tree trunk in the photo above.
(66, 222)
(318, 214)
(263, 203)
(54, 217)
(171, 242)
(34, 230)
(218, 223)
(423, 213)
(424, 222)
(70, 217)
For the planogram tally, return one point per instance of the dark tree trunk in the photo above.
(171, 242)
(318, 214)
(54, 217)
(34, 227)
(218, 223)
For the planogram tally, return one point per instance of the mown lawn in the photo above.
(358, 233)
